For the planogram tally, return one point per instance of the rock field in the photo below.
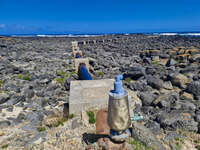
(161, 73)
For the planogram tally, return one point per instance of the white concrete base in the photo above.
(89, 93)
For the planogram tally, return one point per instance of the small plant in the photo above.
(138, 145)
(1, 83)
(60, 73)
(59, 122)
(41, 129)
(179, 139)
(128, 80)
(60, 80)
(178, 61)
(26, 77)
(72, 73)
(155, 63)
(91, 116)
(178, 146)
(19, 76)
(71, 116)
(4, 146)
(99, 74)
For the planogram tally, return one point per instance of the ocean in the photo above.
(93, 35)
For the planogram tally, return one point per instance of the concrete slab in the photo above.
(89, 93)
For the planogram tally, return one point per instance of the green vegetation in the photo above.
(68, 67)
(24, 77)
(137, 145)
(71, 116)
(155, 63)
(60, 73)
(19, 76)
(99, 74)
(60, 80)
(63, 75)
(1, 83)
(128, 80)
(72, 73)
(91, 116)
(178, 143)
(4, 146)
(178, 61)
(179, 139)
(41, 129)
(60, 121)
(178, 146)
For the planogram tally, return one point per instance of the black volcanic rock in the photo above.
(194, 88)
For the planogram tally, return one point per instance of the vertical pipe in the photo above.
(83, 73)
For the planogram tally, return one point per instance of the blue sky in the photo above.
(98, 16)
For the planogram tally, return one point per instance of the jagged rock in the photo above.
(67, 84)
(76, 124)
(147, 98)
(16, 99)
(187, 105)
(4, 98)
(167, 85)
(136, 72)
(34, 117)
(140, 85)
(186, 96)
(194, 88)
(180, 80)
(171, 62)
(144, 135)
(4, 123)
(150, 70)
(175, 119)
(168, 98)
(154, 82)
(154, 127)
(28, 93)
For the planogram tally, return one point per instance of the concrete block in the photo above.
(81, 60)
(89, 93)
(74, 43)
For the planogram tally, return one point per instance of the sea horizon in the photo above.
(186, 33)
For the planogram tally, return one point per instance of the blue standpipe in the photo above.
(84, 74)
(118, 93)
(78, 55)
(118, 87)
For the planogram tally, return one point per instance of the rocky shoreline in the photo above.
(162, 72)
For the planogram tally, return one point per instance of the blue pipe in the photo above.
(77, 55)
(84, 74)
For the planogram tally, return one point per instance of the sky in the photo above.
(98, 16)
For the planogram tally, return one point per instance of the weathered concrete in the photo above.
(74, 43)
(89, 93)
(81, 60)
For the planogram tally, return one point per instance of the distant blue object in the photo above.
(77, 55)
(136, 117)
(84, 74)
(118, 88)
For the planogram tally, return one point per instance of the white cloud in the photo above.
(2, 25)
